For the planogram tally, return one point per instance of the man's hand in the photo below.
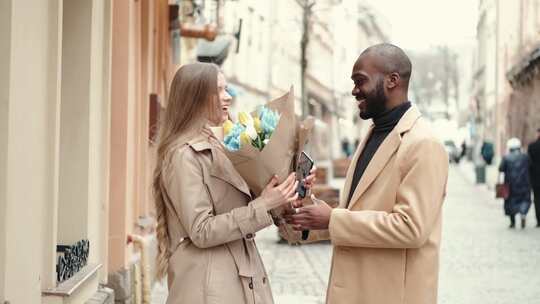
(312, 217)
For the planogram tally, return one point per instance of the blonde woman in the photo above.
(207, 218)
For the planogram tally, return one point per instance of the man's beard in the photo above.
(375, 102)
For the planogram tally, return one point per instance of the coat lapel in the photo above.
(222, 167)
(383, 154)
(350, 170)
(377, 163)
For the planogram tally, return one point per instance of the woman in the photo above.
(206, 216)
(515, 166)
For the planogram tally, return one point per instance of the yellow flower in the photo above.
(227, 127)
(245, 139)
(257, 124)
(245, 118)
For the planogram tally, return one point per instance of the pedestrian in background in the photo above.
(346, 147)
(515, 166)
(534, 172)
(356, 143)
(487, 151)
(463, 150)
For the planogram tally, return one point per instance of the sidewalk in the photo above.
(468, 171)
(482, 261)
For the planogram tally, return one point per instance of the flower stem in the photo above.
(259, 142)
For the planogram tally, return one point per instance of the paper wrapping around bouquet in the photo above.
(279, 155)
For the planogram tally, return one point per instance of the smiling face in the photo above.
(368, 88)
(224, 99)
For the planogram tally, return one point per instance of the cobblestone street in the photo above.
(482, 261)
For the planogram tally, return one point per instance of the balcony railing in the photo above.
(71, 259)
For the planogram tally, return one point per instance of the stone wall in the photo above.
(523, 111)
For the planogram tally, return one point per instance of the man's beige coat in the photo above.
(212, 222)
(386, 241)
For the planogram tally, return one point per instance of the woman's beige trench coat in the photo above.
(212, 221)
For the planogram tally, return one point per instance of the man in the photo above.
(386, 231)
(534, 171)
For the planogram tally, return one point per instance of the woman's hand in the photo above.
(276, 195)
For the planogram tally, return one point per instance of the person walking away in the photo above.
(515, 166)
(534, 173)
(488, 152)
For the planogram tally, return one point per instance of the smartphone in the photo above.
(303, 166)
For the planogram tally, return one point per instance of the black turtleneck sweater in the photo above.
(384, 124)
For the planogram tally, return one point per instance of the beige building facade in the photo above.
(505, 98)
(355, 27)
(486, 77)
(81, 88)
(521, 74)
(141, 69)
(55, 145)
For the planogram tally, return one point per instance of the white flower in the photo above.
(251, 132)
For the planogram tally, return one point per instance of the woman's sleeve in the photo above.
(192, 203)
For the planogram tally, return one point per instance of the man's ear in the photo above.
(393, 80)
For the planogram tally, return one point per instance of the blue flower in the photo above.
(262, 128)
(232, 140)
(269, 120)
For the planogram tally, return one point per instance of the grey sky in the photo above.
(421, 24)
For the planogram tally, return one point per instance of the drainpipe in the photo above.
(497, 140)
(140, 242)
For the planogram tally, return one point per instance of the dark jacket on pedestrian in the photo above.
(515, 166)
(534, 168)
(487, 151)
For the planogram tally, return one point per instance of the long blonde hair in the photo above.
(193, 100)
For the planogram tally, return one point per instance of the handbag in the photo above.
(502, 191)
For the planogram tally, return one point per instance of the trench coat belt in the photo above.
(243, 262)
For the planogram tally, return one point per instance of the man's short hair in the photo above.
(395, 59)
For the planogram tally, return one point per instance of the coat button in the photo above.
(264, 280)
(250, 285)
(249, 236)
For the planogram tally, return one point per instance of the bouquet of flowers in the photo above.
(254, 129)
(267, 142)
